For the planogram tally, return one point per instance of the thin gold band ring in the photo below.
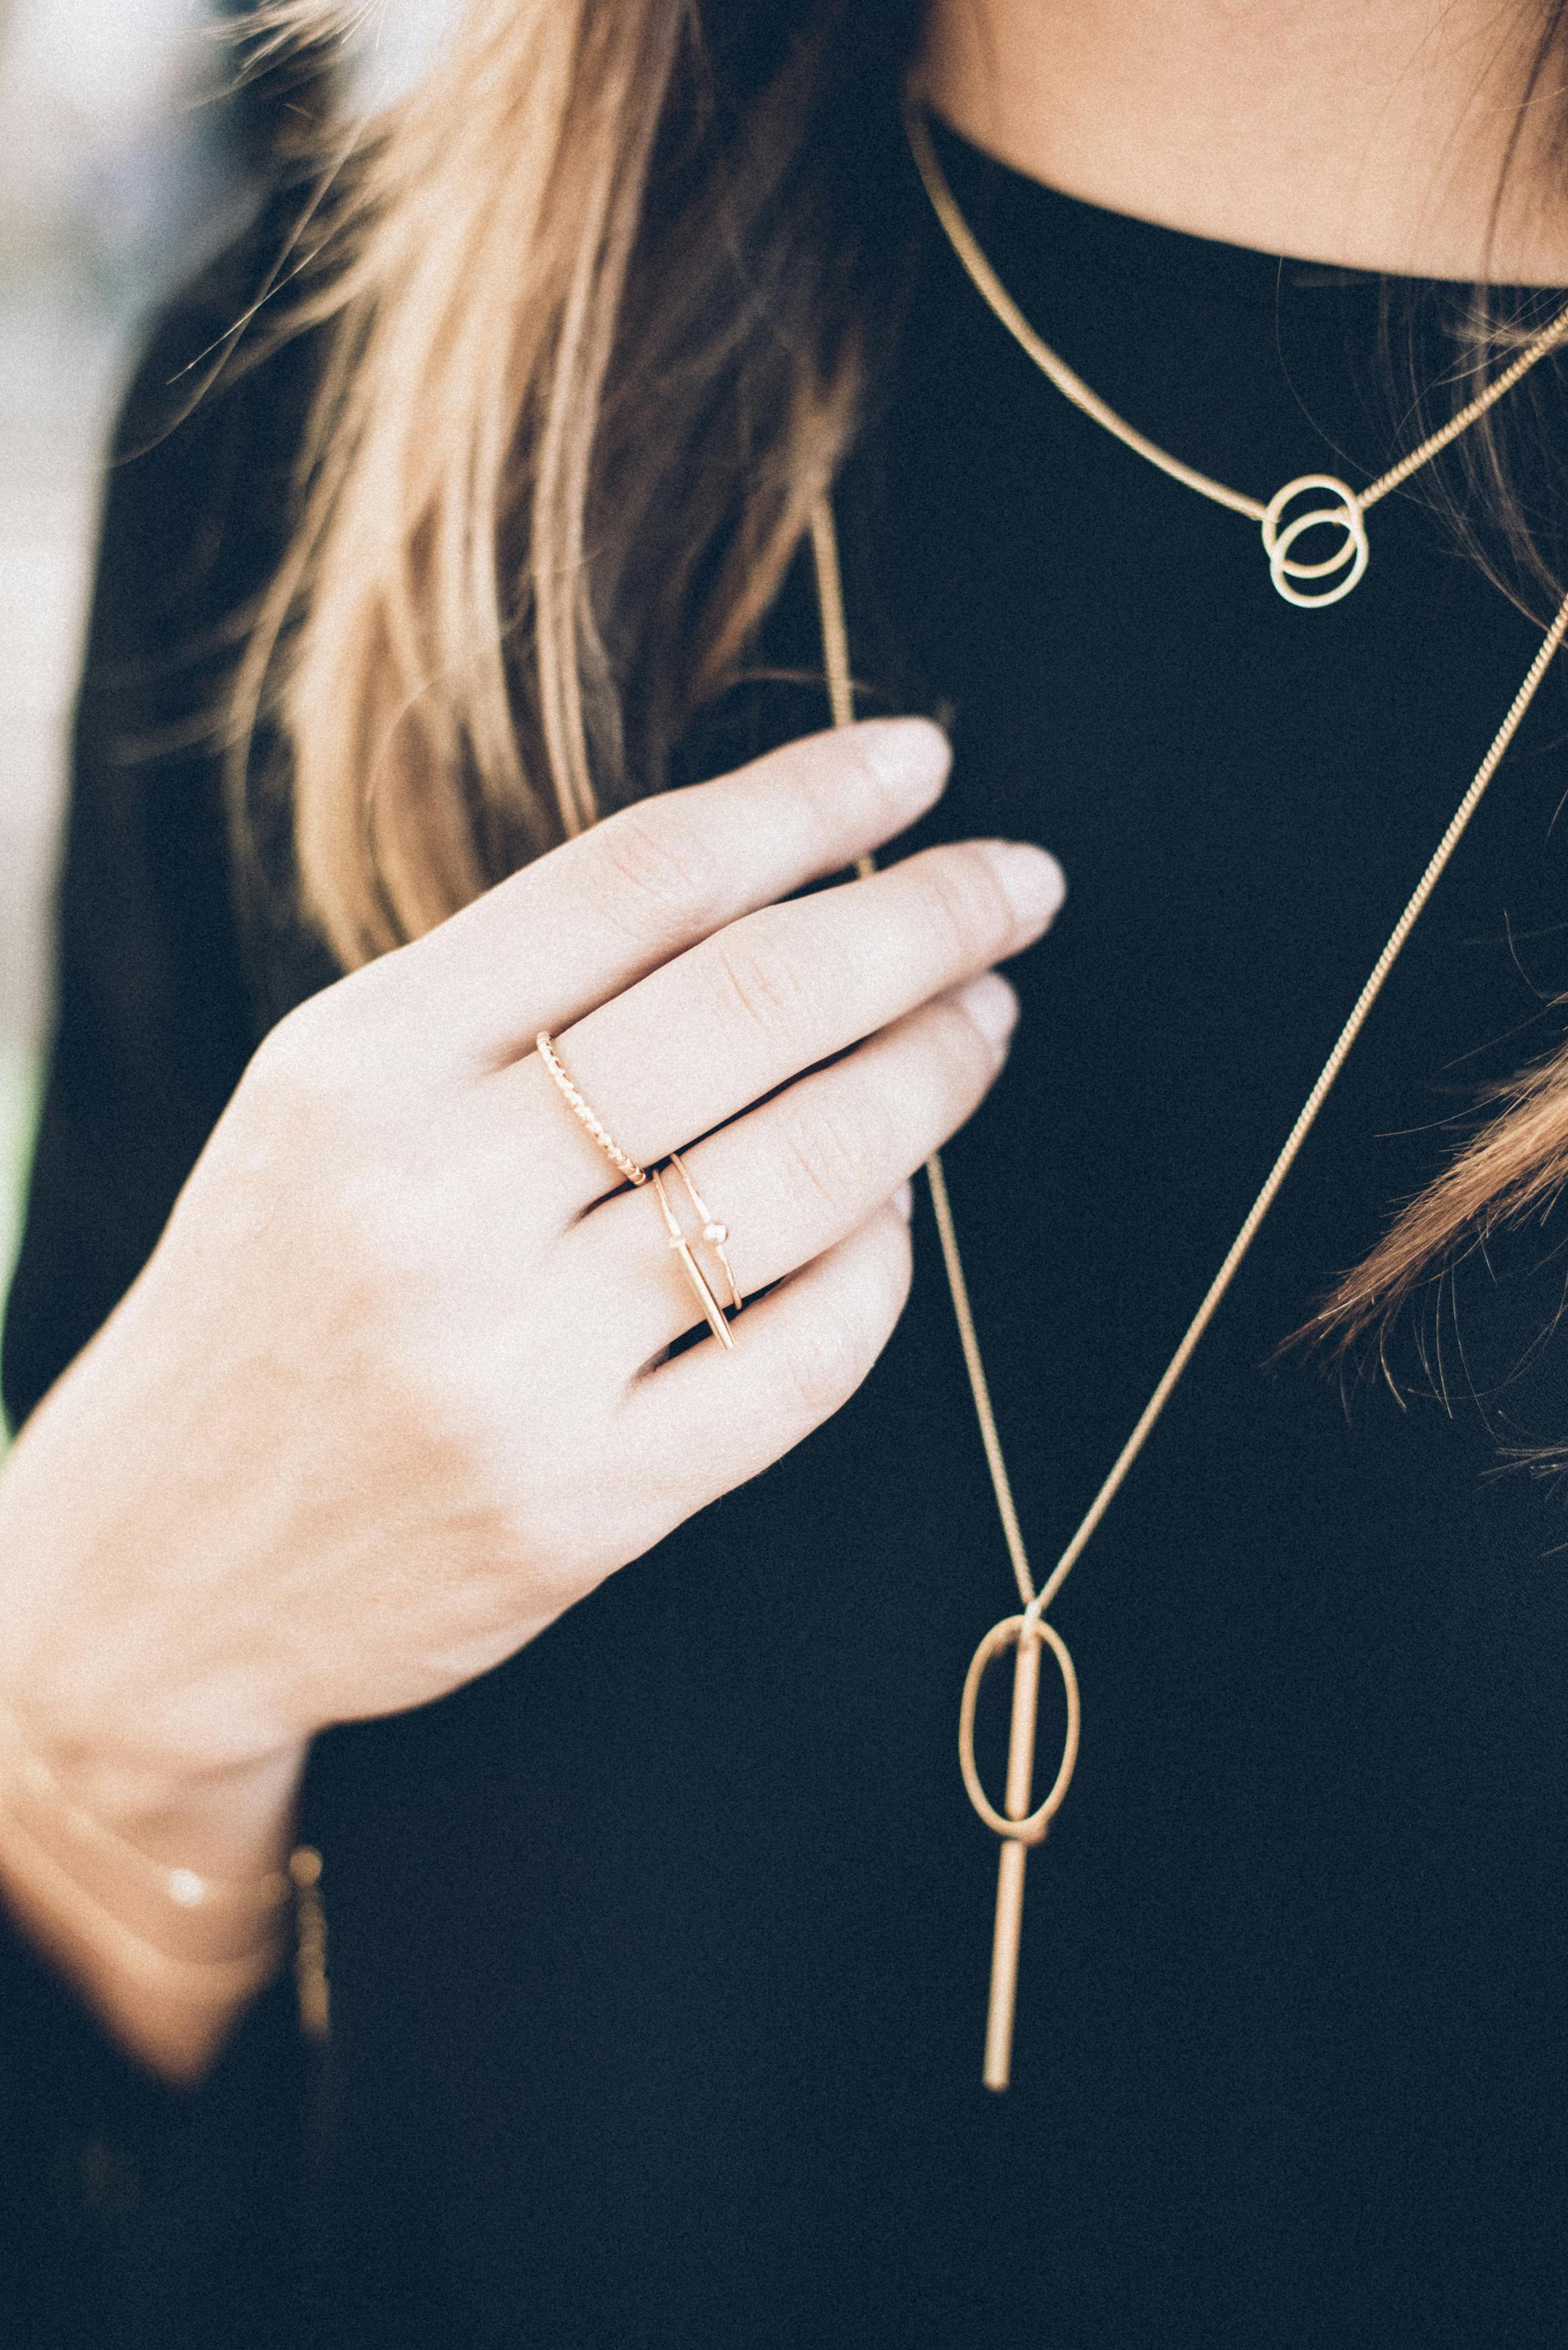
(712, 1312)
(715, 1233)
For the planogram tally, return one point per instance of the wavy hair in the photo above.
(602, 294)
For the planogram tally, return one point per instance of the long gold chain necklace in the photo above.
(1021, 1823)
(1321, 582)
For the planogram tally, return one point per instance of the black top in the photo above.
(659, 1955)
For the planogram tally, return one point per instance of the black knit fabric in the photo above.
(659, 1955)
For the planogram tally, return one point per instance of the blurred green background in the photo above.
(18, 1090)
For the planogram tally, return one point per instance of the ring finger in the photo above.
(794, 1176)
(726, 1024)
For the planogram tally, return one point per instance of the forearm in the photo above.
(145, 1823)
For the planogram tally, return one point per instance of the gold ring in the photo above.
(714, 1312)
(583, 1115)
(714, 1232)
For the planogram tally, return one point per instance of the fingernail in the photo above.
(992, 1007)
(909, 755)
(904, 1201)
(1032, 882)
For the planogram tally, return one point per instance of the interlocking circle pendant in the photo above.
(1349, 558)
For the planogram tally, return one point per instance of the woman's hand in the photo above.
(393, 1391)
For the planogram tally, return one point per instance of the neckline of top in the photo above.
(1019, 215)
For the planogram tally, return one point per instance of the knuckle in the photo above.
(838, 1149)
(754, 974)
(340, 1034)
(297, 1058)
(832, 761)
(318, 1084)
(830, 1358)
(967, 903)
(847, 1329)
(656, 866)
(964, 1059)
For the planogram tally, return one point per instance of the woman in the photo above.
(658, 1923)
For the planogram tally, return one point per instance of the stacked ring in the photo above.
(714, 1312)
(585, 1117)
(714, 1232)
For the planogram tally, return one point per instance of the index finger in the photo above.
(582, 923)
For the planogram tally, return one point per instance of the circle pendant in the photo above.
(1349, 558)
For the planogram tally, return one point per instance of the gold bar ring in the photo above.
(714, 1312)
(714, 1232)
(585, 1117)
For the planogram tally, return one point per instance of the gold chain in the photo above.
(1019, 1826)
(1339, 571)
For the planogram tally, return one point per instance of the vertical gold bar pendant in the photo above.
(1018, 1827)
(999, 2014)
(1011, 1862)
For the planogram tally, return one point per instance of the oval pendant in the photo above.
(1020, 1828)
(1350, 557)
(1021, 1824)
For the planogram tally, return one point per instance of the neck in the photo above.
(1372, 134)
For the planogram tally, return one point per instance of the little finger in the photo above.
(708, 1420)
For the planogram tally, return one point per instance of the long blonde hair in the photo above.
(601, 295)
(543, 513)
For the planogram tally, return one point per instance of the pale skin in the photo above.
(393, 1392)
(1365, 133)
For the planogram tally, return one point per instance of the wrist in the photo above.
(167, 1831)
(168, 1953)
(150, 1699)
(170, 2009)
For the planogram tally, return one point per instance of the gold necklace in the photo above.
(1018, 1825)
(1328, 579)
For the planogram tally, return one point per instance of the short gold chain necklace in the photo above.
(1286, 517)
(1022, 1822)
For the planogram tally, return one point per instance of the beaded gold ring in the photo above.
(585, 1118)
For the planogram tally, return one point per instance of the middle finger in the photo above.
(732, 1020)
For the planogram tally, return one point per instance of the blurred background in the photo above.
(120, 156)
(131, 144)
